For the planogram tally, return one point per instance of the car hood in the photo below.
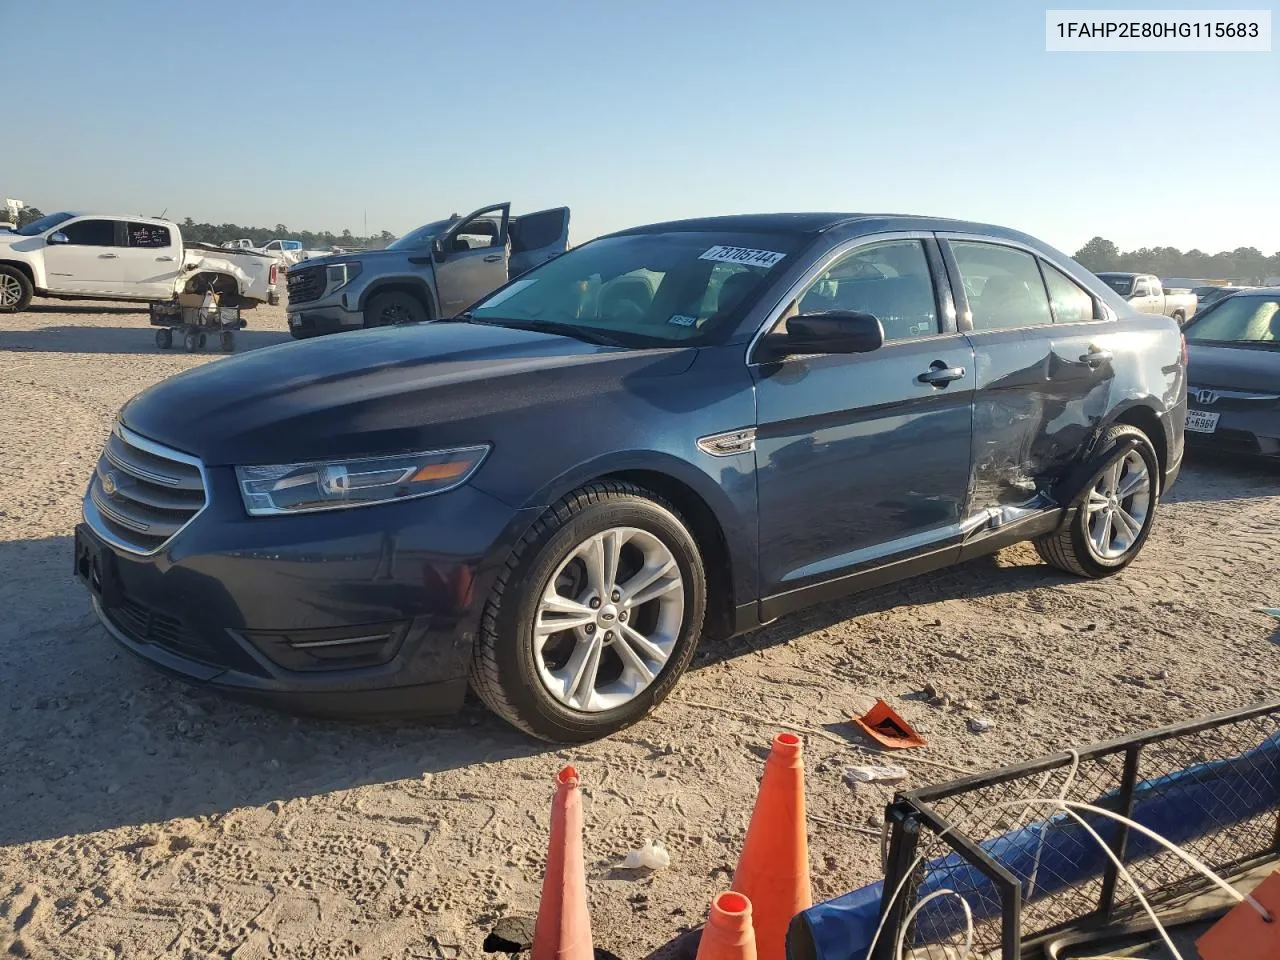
(420, 387)
(367, 256)
(1234, 368)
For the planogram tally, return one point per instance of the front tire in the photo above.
(385, 309)
(15, 290)
(593, 618)
(1114, 513)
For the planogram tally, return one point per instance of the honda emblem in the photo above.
(1206, 397)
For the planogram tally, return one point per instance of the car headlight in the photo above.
(337, 484)
(338, 275)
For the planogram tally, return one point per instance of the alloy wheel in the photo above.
(608, 619)
(10, 291)
(1118, 506)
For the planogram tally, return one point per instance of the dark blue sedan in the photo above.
(676, 431)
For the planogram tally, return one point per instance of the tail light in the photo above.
(275, 273)
(1185, 355)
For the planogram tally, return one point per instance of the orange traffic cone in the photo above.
(773, 872)
(563, 929)
(728, 934)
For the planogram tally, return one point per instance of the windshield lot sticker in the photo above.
(743, 255)
(511, 291)
(680, 320)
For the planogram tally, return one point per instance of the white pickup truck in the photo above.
(1146, 294)
(76, 256)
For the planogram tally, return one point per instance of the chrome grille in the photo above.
(305, 284)
(142, 493)
(1217, 398)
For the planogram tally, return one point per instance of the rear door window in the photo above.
(1003, 286)
(147, 235)
(92, 233)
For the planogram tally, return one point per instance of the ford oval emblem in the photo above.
(109, 484)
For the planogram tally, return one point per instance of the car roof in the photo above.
(814, 223)
(118, 216)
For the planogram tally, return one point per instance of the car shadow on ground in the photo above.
(138, 339)
(77, 306)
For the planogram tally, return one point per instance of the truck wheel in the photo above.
(593, 618)
(1179, 317)
(15, 290)
(191, 341)
(384, 309)
(1115, 511)
(227, 340)
(164, 339)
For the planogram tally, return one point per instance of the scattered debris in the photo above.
(1160, 675)
(652, 856)
(888, 773)
(935, 696)
(885, 726)
(981, 724)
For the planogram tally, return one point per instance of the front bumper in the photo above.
(1254, 433)
(367, 612)
(311, 319)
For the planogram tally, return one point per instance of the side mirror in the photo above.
(439, 249)
(57, 237)
(830, 331)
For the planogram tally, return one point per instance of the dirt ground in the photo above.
(141, 818)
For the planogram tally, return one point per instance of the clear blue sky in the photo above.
(310, 113)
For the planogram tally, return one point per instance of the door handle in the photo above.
(106, 256)
(1096, 357)
(164, 259)
(493, 258)
(939, 374)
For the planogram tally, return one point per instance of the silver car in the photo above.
(436, 271)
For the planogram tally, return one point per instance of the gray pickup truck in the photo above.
(435, 271)
(1146, 294)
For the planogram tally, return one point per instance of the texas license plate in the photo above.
(1202, 421)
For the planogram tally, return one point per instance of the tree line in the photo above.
(1245, 264)
(219, 233)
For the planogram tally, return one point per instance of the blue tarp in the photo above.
(1058, 852)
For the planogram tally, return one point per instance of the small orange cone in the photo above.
(563, 929)
(728, 934)
(887, 727)
(773, 872)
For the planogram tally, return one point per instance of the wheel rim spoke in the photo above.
(635, 640)
(1097, 502)
(1136, 481)
(583, 668)
(633, 659)
(1131, 526)
(644, 579)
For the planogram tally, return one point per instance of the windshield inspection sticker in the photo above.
(743, 255)
(680, 320)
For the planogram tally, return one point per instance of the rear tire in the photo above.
(15, 290)
(191, 342)
(164, 338)
(385, 309)
(1179, 317)
(1114, 512)
(515, 673)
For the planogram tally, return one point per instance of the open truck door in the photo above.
(471, 259)
(537, 237)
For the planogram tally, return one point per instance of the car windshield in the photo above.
(47, 222)
(647, 289)
(1121, 285)
(1239, 319)
(420, 237)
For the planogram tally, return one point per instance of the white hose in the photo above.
(906, 923)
